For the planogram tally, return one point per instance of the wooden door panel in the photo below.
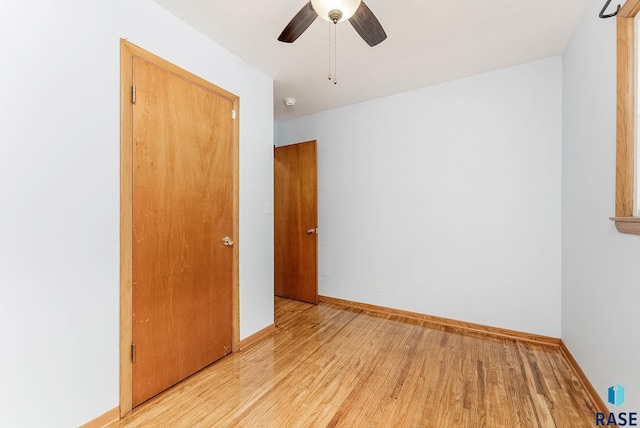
(183, 202)
(295, 213)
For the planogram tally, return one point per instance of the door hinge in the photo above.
(133, 94)
(233, 114)
(133, 352)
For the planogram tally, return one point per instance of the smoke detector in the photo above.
(290, 102)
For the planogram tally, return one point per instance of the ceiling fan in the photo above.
(355, 11)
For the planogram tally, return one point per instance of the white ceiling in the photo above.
(429, 42)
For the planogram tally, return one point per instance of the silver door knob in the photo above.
(227, 241)
(311, 231)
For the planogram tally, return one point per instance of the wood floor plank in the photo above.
(330, 366)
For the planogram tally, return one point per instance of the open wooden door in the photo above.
(296, 222)
(183, 178)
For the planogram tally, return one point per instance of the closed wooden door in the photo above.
(182, 209)
(296, 221)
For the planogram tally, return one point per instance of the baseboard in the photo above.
(104, 420)
(256, 337)
(594, 397)
(452, 325)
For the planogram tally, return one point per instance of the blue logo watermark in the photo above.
(615, 396)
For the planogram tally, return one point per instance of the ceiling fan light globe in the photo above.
(324, 8)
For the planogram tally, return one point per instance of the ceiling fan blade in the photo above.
(298, 24)
(367, 25)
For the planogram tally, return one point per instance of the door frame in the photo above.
(127, 52)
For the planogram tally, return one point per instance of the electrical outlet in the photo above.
(378, 287)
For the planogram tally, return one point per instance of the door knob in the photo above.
(312, 230)
(227, 241)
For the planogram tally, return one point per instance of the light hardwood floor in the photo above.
(327, 366)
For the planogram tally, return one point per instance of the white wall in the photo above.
(600, 267)
(448, 195)
(59, 196)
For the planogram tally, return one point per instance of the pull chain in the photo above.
(333, 46)
(330, 76)
(335, 53)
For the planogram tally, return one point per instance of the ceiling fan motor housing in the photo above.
(335, 10)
